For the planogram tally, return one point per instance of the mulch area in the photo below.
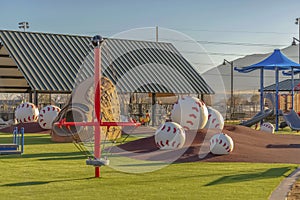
(30, 127)
(294, 194)
(249, 146)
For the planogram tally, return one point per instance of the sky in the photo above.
(223, 29)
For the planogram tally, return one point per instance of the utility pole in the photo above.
(156, 34)
(24, 25)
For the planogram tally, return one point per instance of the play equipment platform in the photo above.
(17, 147)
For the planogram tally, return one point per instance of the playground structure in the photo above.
(17, 147)
(97, 122)
(258, 117)
(276, 62)
(292, 119)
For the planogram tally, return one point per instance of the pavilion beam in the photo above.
(36, 102)
(30, 96)
(153, 108)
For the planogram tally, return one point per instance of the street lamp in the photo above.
(231, 86)
(24, 25)
(297, 22)
(294, 44)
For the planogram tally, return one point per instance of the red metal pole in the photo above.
(97, 106)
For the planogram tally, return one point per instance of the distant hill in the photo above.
(219, 77)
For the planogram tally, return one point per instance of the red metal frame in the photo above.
(97, 107)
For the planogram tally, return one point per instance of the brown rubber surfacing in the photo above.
(249, 146)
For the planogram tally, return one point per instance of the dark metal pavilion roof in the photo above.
(45, 62)
(284, 86)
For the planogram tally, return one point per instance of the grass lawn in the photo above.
(57, 171)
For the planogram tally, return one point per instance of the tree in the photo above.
(255, 98)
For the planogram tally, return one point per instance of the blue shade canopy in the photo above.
(275, 60)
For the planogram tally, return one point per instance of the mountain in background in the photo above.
(219, 78)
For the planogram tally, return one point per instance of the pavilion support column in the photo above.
(36, 98)
(292, 85)
(153, 109)
(30, 96)
(277, 99)
(262, 91)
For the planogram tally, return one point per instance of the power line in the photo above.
(214, 53)
(236, 31)
(227, 43)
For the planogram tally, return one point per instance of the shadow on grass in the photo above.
(31, 183)
(29, 139)
(52, 156)
(270, 173)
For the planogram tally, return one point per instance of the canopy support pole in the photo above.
(261, 91)
(292, 88)
(97, 106)
(276, 98)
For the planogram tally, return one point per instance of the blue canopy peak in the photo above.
(276, 60)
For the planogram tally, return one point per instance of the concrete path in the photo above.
(281, 192)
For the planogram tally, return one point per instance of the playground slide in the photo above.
(257, 118)
(293, 120)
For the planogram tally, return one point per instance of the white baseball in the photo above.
(169, 135)
(191, 113)
(267, 127)
(47, 115)
(26, 112)
(215, 122)
(221, 144)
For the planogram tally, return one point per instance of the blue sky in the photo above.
(235, 21)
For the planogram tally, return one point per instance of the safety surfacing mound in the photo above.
(249, 146)
(30, 127)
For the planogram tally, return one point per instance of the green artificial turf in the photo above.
(57, 171)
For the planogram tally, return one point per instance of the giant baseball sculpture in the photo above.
(267, 127)
(26, 112)
(170, 135)
(215, 122)
(47, 116)
(190, 112)
(221, 144)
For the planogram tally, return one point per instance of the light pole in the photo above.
(294, 44)
(24, 25)
(297, 22)
(231, 86)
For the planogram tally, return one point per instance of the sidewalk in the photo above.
(281, 192)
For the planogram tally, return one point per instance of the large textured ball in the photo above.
(215, 122)
(170, 135)
(267, 127)
(26, 112)
(190, 112)
(47, 116)
(221, 144)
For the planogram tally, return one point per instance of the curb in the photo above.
(281, 192)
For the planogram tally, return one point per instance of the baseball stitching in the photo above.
(192, 116)
(219, 141)
(213, 121)
(48, 110)
(161, 143)
(29, 118)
